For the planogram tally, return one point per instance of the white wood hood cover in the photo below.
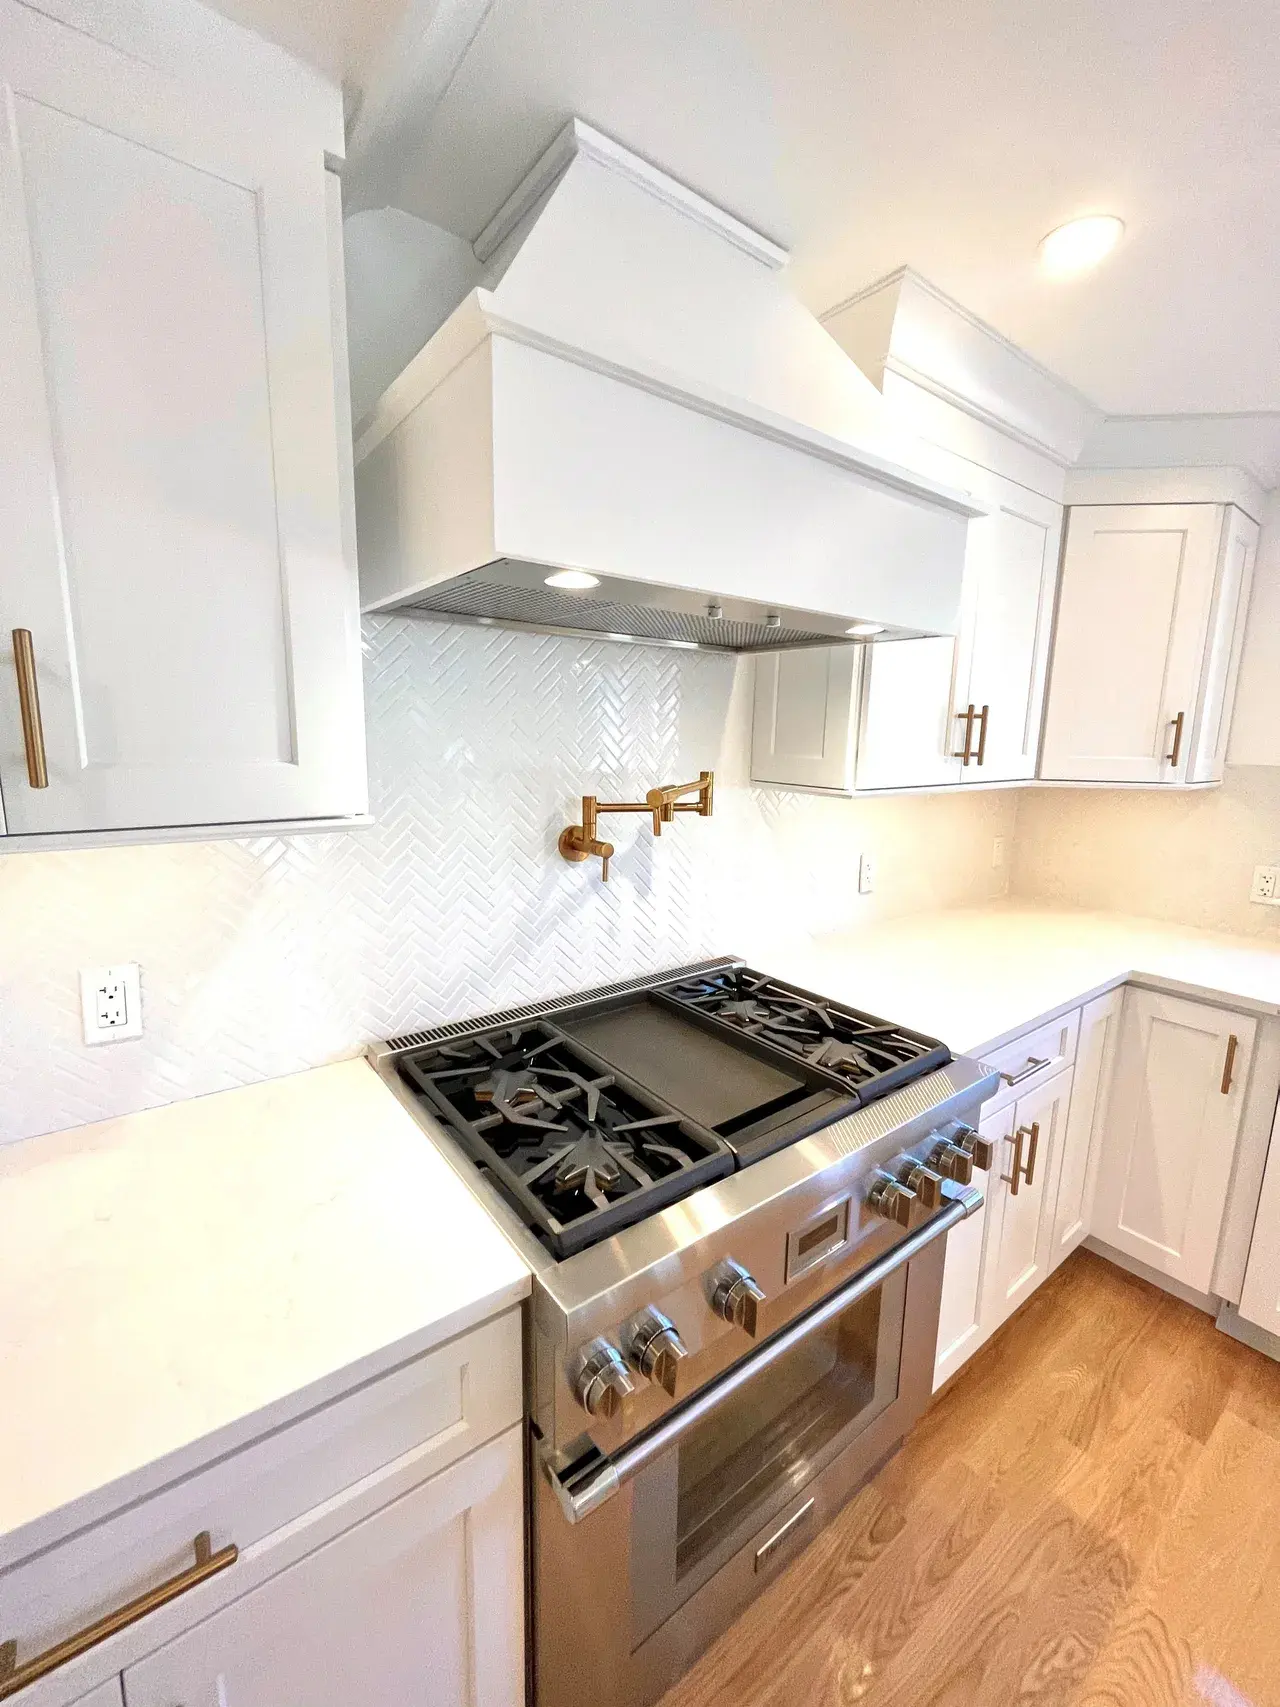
(635, 391)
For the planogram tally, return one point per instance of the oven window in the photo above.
(778, 1430)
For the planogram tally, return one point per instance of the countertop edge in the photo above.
(60, 1524)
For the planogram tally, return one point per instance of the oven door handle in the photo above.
(587, 1483)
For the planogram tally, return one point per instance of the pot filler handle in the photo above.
(589, 1481)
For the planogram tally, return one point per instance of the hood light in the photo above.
(1081, 243)
(575, 579)
(864, 630)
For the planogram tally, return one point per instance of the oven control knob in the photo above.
(735, 1296)
(925, 1182)
(982, 1150)
(892, 1200)
(656, 1349)
(603, 1380)
(951, 1162)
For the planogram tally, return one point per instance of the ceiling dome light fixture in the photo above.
(1080, 243)
(576, 579)
(864, 630)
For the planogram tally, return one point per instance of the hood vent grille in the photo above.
(472, 598)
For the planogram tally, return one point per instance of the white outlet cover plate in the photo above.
(111, 1002)
(1266, 885)
(866, 874)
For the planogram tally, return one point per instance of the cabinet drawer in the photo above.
(440, 1406)
(1032, 1059)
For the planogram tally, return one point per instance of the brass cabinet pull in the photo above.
(982, 736)
(14, 1677)
(1178, 722)
(24, 664)
(1013, 1180)
(1229, 1065)
(1034, 1064)
(966, 752)
(1029, 1173)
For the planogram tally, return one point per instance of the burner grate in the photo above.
(580, 1149)
(859, 1052)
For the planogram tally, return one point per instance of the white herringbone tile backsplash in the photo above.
(267, 956)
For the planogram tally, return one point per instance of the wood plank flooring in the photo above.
(1089, 1516)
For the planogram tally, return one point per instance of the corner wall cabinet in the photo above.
(1147, 644)
(174, 505)
(927, 713)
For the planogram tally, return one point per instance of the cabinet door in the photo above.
(907, 736)
(1260, 1297)
(169, 479)
(1226, 644)
(1011, 568)
(108, 1694)
(962, 1323)
(802, 728)
(1086, 1122)
(1133, 615)
(1171, 1132)
(1019, 1258)
(421, 1605)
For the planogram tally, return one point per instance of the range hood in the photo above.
(634, 394)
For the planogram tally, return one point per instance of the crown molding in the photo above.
(578, 138)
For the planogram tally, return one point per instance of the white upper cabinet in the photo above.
(1147, 647)
(929, 713)
(171, 494)
(1171, 1132)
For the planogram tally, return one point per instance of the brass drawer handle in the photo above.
(1034, 1064)
(983, 715)
(24, 664)
(1013, 1180)
(1178, 722)
(14, 1677)
(1229, 1065)
(966, 717)
(1030, 1170)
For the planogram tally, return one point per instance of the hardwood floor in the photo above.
(1089, 1516)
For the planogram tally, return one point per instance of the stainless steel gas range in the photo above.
(734, 1196)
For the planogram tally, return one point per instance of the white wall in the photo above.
(405, 277)
(263, 957)
(1184, 857)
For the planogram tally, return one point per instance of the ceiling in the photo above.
(865, 135)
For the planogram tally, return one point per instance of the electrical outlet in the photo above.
(111, 1003)
(866, 875)
(1266, 885)
(998, 854)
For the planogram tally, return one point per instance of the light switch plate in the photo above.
(1266, 885)
(111, 1002)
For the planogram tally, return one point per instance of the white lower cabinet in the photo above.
(421, 1603)
(1260, 1296)
(1030, 1138)
(107, 1694)
(961, 1327)
(1171, 1132)
(1086, 1120)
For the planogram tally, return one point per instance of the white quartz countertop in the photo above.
(177, 1282)
(975, 977)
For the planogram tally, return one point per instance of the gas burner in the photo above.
(579, 1150)
(863, 1054)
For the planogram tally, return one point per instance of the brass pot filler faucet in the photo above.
(580, 841)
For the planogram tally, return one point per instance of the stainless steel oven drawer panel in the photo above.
(631, 1594)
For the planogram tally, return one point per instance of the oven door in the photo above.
(748, 1459)
(642, 1558)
